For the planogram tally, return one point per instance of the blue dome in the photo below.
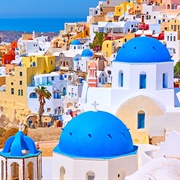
(76, 59)
(143, 50)
(16, 144)
(87, 53)
(75, 42)
(95, 135)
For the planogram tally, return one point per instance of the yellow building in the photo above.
(172, 25)
(38, 64)
(122, 8)
(15, 95)
(110, 46)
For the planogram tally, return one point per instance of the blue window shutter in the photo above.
(121, 78)
(141, 120)
(142, 84)
(164, 80)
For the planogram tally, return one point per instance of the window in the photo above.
(20, 73)
(12, 90)
(164, 82)
(142, 79)
(2, 170)
(34, 64)
(107, 45)
(62, 173)
(174, 38)
(167, 38)
(30, 168)
(20, 82)
(52, 78)
(12, 83)
(21, 92)
(121, 79)
(33, 95)
(141, 120)
(51, 62)
(14, 170)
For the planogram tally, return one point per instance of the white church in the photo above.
(95, 145)
(142, 93)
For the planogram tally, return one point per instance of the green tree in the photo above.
(177, 70)
(43, 94)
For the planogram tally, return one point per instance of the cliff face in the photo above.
(12, 116)
(5, 134)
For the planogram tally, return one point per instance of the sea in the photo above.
(36, 24)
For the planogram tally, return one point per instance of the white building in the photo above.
(57, 85)
(80, 63)
(172, 42)
(94, 145)
(142, 86)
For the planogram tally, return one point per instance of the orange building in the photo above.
(7, 58)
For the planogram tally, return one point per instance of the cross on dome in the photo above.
(95, 105)
(21, 126)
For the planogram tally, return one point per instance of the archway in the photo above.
(128, 111)
(14, 171)
(2, 170)
(69, 104)
(62, 173)
(90, 175)
(30, 167)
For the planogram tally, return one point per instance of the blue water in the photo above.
(36, 24)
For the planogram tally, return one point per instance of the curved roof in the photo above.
(143, 50)
(75, 42)
(15, 145)
(95, 135)
(87, 53)
(76, 59)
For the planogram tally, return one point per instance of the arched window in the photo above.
(62, 173)
(64, 91)
(165, 80)
(121, 174)
(121, 79)
(2, 170)
(14, 171)
(90, 175)
(34, 64)
(142, 81)
(30, 167)
(33, 95)
(141, 120)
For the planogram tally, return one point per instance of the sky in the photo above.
(45, 8)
